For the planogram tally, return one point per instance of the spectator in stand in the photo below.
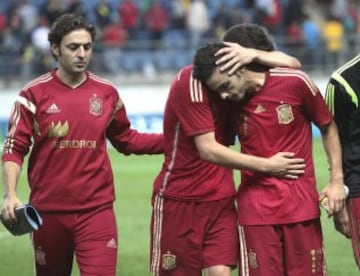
(130, 16)
(29, 16)
(39, 38)
(157, 20)
(198, 21)
(294, 39)
(312, 43)
(76, 6)
(52, 9)
(333, 35)
(113, 38)
(269, 13)
(103, 14)
(178, 11)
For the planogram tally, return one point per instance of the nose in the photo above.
(81, 51)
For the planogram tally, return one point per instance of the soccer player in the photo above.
(280, 230)
(342, 97)
(65, 118)
(194, 224)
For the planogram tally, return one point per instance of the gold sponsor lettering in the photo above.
(74, 144)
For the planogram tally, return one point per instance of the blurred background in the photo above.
(149, 40)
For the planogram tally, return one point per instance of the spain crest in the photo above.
(168, 261)
(253, 263)
(96, 106)
(285, 114)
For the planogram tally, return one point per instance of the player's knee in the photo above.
(218, 270)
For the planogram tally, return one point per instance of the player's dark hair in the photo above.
(67, 23)
(251, 35)
(204, 61)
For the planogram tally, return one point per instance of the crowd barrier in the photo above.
(144, 105)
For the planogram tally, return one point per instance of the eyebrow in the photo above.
(79, 44)
(223, 86)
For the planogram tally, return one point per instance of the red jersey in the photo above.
(191, 110)
(278, 118)
(69, 168)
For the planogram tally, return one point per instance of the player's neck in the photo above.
(73, 80)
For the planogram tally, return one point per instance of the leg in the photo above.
(175, 245)
(221, 240)
(261, 250)
(303, 247)
(54, 246)
(96, 242)
(218, 270)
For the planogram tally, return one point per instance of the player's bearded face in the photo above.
(75, 51)
(228, 87)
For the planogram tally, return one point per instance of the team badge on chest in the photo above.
(285, 114)
(96, 106)
(168, 261)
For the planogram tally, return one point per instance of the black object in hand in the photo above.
(28, 220)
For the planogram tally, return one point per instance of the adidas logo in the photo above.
(259, 109)
(111, 243)
(53, 109)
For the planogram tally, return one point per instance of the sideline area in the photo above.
(144, 105)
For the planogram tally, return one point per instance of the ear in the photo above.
(55, 50)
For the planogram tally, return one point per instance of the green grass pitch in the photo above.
(134, 176)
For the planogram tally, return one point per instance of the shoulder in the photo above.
(100, 81)
(295, 77)
(39, 81)
(185, 86)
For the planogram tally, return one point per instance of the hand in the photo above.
(283, 164)
(333, 197)
(342, 223)
(8, 208)
(234, 56)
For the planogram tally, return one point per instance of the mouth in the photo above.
(80, 64)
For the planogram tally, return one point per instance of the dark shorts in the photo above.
(190, 236)
(90, 235)
(291, 249)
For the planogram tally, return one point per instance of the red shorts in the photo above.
(190, 236)
(291, 249)
(91, 235)
(353, 208)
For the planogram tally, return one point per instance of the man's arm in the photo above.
(281, 164)
(130, 141)
(234, 56)
(11, 172)
(335, 190)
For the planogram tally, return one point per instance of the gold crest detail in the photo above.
(96, 106)
(285, 114)
(168, 261)
(252, 260)
(59, 130)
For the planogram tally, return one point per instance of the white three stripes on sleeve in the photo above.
(196, 92)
